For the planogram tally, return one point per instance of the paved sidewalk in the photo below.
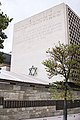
(70, 117)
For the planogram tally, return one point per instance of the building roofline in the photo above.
(14, 82)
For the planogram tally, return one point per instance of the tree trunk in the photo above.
(65, 103)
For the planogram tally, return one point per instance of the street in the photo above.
(70, 117)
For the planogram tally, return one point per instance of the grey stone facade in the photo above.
(17, 91)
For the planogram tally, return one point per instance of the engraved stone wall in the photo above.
(32, 38)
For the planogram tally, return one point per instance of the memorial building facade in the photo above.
(34, 35)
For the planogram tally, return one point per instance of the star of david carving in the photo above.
(33, 71)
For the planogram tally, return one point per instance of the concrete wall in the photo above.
(33, 36)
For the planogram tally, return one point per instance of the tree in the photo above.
(4, 22)
(64, 60)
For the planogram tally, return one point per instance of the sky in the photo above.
(22, 9)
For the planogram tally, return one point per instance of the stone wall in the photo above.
(24, 91)
(33, 101)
